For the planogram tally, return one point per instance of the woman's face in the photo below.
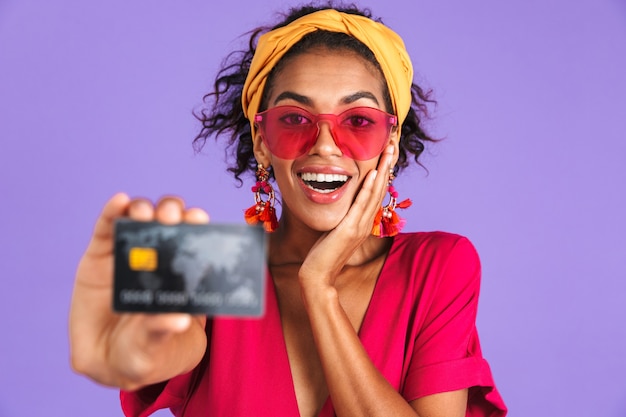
(318, 188)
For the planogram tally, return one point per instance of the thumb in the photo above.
(102, 240)
(167, 323)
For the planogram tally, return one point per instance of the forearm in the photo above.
(356, 387)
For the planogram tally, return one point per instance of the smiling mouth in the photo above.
(323, 183)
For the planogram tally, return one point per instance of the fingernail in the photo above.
(171, 204)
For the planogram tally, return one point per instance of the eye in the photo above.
(294, 119)
(358, 120)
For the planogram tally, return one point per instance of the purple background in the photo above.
(96, 97)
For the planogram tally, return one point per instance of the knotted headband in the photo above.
(387, 46)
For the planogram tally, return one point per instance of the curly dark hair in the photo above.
(224, 116)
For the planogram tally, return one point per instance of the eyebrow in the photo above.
(359, 95)
(286, 95)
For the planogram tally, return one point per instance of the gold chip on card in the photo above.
(143, 259)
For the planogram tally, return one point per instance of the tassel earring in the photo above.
(387, 222)
(262, 211)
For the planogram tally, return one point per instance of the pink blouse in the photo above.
(419, 331)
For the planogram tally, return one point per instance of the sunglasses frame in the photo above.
(334, 122)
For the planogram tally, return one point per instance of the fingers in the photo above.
(163, 324)
(168, 210)
(375, 184)
(368, 201)
(101, 241)
(171, 210)
(141, 209)
(374, 187)
(196, 216)
(384, 166)
(167, 323)
(156, 326)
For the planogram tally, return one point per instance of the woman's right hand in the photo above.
(133, 350)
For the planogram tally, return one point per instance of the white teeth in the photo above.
(321, 191)
(312, 176)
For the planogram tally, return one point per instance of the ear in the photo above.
(262, 155)
(394, 139)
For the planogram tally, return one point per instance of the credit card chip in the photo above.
(143, 259)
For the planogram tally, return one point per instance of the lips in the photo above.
(323, 183)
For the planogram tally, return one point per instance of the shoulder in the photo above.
(435, 261)
(440, 246)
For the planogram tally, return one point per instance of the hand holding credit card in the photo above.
(210, 269)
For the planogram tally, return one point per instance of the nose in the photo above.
(325, 143)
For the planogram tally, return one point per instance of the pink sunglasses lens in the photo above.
(360, 133)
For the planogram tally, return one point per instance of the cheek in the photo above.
(281, 170)
(365, 167)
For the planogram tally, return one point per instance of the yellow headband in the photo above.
(387, 46)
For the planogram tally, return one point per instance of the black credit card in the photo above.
(210, 269)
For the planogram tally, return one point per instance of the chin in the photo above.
(324, 224)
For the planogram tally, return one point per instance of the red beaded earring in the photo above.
(387, 222)
(262, 211)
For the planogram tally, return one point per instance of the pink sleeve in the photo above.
(170, 394)
(446, 353)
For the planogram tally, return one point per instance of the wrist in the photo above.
(318, 296)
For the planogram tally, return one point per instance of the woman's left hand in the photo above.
(334, 249)
(355, 385)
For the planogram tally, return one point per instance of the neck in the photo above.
(291, 242)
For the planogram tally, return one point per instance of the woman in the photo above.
(360, 320)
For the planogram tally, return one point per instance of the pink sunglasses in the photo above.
(360, 132)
